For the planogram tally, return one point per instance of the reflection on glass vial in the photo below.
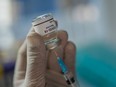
(47, 28)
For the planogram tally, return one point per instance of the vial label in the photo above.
(46, 27)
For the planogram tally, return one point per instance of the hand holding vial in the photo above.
(37, 66)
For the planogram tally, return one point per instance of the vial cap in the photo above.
(42, 18)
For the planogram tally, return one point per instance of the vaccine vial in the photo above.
(46, 26)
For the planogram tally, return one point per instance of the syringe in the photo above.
(66, 73)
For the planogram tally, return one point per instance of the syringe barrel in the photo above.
(71, 80)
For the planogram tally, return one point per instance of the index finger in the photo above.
(63, 36)
(70, 53)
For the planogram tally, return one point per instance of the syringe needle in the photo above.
(56, 53)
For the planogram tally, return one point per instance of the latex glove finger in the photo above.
(20, 68)
(63, 36)
(70, 53)
(36, 61)
(55, 79)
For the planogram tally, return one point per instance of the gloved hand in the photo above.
(37, 67)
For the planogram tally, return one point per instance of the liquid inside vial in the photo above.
(50, 40)
(47, 28)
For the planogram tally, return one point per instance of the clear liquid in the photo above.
(49, 36)
(51, 40)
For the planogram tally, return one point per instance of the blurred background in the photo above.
(89, 23)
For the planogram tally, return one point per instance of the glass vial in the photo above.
(46, 26)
